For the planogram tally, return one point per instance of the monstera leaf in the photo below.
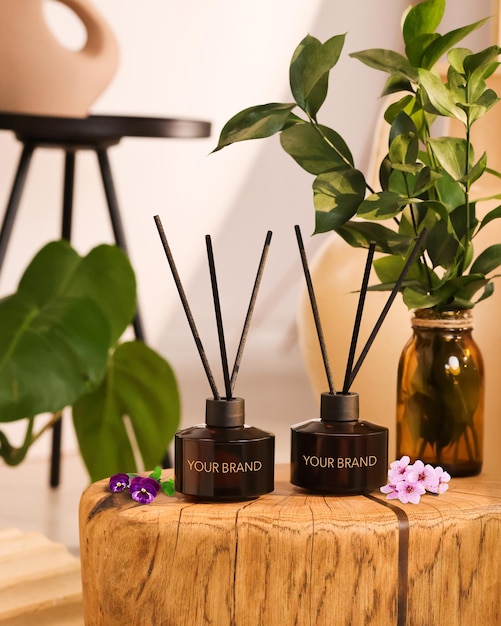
(58, 348)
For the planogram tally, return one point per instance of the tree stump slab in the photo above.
(293, 558)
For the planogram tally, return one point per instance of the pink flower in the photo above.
(423, 474)
(398, 469)
(390, 490)
(409, 482)
(410, 492)
(440, 482)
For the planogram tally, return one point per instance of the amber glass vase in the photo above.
(440, 393)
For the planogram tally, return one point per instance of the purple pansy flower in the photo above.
(143, 490)
(119, 482)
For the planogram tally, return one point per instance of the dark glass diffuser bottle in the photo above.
(338, 453)
(224, 459)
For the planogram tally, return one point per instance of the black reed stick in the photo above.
(314, 308)
(358, 317)
(393, 294)
(186, 308)
(245, 331)
(219, 320)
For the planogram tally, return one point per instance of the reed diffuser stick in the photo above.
(186, 307)
(358, 317)
(219, 319)
(248, 317)
(386, 308)
(314, 309)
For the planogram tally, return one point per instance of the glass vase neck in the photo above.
(461, 319)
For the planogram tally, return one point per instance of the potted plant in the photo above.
(59, 342)
(427, 182)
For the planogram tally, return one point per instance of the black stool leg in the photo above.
(14, 199)
(69, 177)
(116, 221)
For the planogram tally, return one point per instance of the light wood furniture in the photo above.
(293, 558)
(40, 582)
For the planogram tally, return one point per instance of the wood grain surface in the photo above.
(292, 558)
(40, 583)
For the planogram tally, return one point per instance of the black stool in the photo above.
(98, 133)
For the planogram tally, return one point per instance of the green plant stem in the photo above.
(14, 456)
(54, 418)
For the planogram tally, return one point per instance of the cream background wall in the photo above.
(209, 60)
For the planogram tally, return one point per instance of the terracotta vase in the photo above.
(39, 75)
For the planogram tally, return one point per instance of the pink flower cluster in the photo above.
(409, 482)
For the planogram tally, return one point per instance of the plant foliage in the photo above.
(59, 348)
(426, 181)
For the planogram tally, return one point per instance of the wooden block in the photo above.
(40, 582)
(290, 557)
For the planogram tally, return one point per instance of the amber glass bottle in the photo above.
(440, 393)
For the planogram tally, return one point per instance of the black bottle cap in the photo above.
(224, 413)
(339, 407)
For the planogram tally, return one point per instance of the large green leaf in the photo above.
(309, 70)
(127, 391)
(104, 275)
(255, 122)
(58, 327)
(316, 149)
(50, 355)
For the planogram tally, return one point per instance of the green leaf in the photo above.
(481, 59)
(439, 96)
(105, 276)
(360, 234)
(255, 123)
(153, 411)
(404, 145)
(440, 46)
(487, 261)
(382, 205)
(49, 355)
(168, 487)
(309, 71)
(316, 149)
(337, 196)
(389, 268)
(423, 18)
(491, 215)
(416, 48)
(387, 61)
(62, 322)
(450, 152)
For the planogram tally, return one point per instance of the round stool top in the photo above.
(99, 130)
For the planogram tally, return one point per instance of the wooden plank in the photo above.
(40, 582)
